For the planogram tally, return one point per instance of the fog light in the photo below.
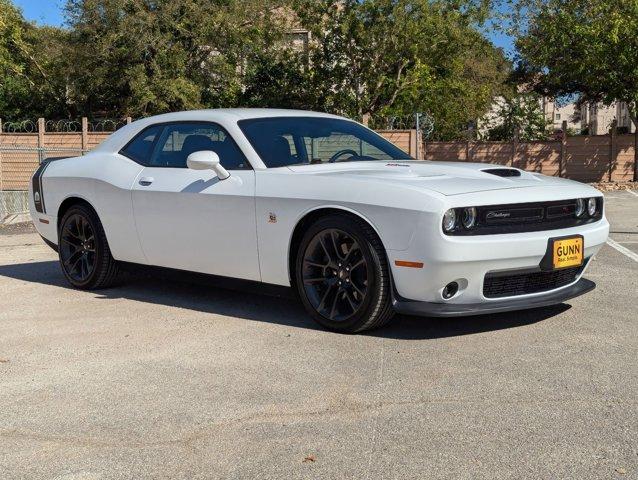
(591, 207)
(449, 220)
(450, 290)
(469, 217)
(580, 207)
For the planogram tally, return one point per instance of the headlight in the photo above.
(469, 217)
(449, 220)
(580, 207)
(591, 207)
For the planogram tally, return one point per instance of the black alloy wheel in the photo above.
(342, 275)
(335, 275)
(84, 252)
(77, 248)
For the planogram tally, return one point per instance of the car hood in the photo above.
(447, 178)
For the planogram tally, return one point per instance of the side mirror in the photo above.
(207, 160)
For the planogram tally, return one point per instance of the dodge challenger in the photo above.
(321, 204)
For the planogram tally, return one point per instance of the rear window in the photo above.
(141, 147)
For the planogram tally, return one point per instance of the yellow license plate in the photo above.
(568, 252)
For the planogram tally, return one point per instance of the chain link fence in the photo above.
(25, 144)
(13, 202)
(17, 164)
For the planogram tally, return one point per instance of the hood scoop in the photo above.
(503, 172)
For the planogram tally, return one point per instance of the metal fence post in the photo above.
(41, 129)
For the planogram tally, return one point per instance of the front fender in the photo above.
(395, 214)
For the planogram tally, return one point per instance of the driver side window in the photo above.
(179, 140)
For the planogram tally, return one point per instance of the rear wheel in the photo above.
(342, 275)
(84, 253)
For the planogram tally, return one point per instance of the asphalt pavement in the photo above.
(157, 379)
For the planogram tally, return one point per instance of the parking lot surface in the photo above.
(158, 379)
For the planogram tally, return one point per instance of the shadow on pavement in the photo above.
(253, 302)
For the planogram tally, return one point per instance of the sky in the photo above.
(49, 12)
(502, 40)
(44, 12)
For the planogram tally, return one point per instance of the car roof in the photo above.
(220, 115)
(235, 114)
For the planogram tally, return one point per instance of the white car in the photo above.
(321, 204)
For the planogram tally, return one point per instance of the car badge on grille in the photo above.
(491, 215)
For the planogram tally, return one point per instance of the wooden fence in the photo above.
(584, 158)
(596, 158)
(21, 153)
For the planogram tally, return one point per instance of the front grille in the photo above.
(509, 216)
(526, 217)
(511, 284)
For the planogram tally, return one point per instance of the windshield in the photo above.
(284, 141)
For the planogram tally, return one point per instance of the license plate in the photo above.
(567, 252)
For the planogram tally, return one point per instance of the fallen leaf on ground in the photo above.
(309, 458)
(4, 360)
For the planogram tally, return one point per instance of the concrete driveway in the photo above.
(157, 379)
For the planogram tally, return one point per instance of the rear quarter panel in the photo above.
(104, 181)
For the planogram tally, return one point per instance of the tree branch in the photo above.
(26, 53)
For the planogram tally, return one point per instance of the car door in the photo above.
(190, 219)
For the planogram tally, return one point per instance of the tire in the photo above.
(338, 291)
(85, 257)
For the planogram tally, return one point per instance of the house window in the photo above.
(558, 116)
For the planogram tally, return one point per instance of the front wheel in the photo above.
(85, 256)
(342, 275)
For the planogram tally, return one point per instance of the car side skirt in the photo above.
(208, 280)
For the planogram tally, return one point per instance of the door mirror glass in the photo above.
(207, 160)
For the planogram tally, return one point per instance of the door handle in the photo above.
(146, 181)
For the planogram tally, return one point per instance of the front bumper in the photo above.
(430, 309)
(468, 260)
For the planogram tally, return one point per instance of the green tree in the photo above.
(463, 87)
(396, 57)
(520, 115)
(586, 47)
(279, 78)
(142, 57)
(366, 57)
(31, 58)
